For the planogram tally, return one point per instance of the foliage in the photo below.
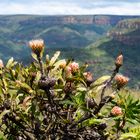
(58, 99)
(133, 134)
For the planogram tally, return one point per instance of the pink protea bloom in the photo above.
(88, 76)
(1, 64)
(121, 80)
(116, 111)
(68, 71)
(119, 60)
(37, 45)
(74, 67)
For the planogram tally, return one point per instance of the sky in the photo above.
(70, 7)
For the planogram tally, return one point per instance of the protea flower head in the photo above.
(63, 64)
(88, 76)
(37, 46)
(121, 80)
(68, 71)
(74, 67)
(119, 60)
(46, 83)
(116, 111)
(69, 87)
(1, 64)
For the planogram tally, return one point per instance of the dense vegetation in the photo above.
(59, 99)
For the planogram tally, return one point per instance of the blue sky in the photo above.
(68, 7)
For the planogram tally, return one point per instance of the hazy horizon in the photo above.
(67, 15)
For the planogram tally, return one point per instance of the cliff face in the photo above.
(129, 24)
(128, 40)
(99, 20)
(127, 32)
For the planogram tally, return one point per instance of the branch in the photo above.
(102, 102)
(41, 65)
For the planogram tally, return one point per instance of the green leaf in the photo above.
(34, 56)
(79, 114)
(67, 102)
(41, 54)
(128, 136)
(81, 89)
(92, 121)
(100, 81)
(10, 63)
(38, 76)
(132, 121)
(54, 58)
(80, 98)
(3, 113)
(57, 64)
(2, 137)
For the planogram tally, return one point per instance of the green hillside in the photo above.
(58, 32)
(126, 41)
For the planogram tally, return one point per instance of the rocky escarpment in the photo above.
(87, 19)
(129, 24)
(126, 31)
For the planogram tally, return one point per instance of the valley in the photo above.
(93, 39)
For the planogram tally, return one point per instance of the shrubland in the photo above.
(60, 99)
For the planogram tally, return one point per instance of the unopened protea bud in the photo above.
(37, 46)
(121, 80)
(69, 87)
(119, 60)
(68, 72)
(74, 67)
(88, 77)
(46, 83)
(1, 64)
(63, 64)
(116, 111)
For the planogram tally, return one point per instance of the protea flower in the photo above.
(121, 80)
(119, 60)
(74, 67)
(68, 72)
(69, 87)
(1, 64)
(37, 46)
(116, 111)
(63, 64)
(88, 77)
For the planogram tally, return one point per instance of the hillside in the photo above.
(83, 38)
(125, 38)
(57, 31)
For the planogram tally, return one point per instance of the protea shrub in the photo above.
(60, 100)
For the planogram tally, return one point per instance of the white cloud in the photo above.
(70, 7)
